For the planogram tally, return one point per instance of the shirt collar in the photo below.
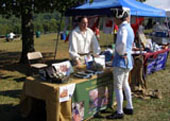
(78, 29)
(123, 23)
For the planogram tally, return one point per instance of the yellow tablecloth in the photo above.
(56, 111)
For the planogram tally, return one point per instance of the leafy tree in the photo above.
(4, 29)
(46, 26)
(38, 26)
(53, 25)
(17, 28)
(25, 10)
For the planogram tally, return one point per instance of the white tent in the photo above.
(162, 4)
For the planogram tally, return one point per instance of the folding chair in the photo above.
(36, 61)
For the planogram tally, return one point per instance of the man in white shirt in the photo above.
(82, 41)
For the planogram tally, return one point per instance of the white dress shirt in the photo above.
(82, 43)
(121, 39)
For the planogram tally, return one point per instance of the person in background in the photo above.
(169, 24)
(95, 27)
(141, 27)
(122, 63)
(97, 32)
(150, 23)
(168, 27)
(136, 25)
(138, 44)
(115, 29)
(11, 35)
(82, 41)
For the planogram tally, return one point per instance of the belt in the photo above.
(83, 54)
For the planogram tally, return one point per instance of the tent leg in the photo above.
(58, 35)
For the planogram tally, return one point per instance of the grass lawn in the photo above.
(13, 74)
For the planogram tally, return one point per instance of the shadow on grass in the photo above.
(20, 79)
(106, 46)
(8, 58)
(9, 112)
(11, 93)
(6, 77)
(10, 62)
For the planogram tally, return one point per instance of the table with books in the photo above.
(72, 100)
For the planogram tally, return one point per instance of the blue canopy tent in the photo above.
(106, 7)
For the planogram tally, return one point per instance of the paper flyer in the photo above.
(66, 92)
(63, 67)
(100, 60)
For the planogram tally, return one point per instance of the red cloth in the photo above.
(135, 26)
(154, 54)
(116, 28)
(95, 27)
(93, 22)
(109, 23)
(96, 31)
(67, 37)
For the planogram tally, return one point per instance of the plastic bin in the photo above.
(38, 33)
(63, 36)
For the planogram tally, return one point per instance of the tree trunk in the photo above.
(27, 33)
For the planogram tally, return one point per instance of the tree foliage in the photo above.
(9, 7)
(25, 10)
(39, 20)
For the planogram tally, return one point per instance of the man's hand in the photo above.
(125, 55)
(78, 62)
(95, 55)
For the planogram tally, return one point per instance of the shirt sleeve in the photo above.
(121, 45)
(73, 51)
(95, 45)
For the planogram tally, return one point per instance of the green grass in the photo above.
(13, 74)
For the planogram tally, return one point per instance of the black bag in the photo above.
(51, 75)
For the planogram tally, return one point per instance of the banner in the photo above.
(91, 96)
(156, 64)
(150, 65)
(161, 61)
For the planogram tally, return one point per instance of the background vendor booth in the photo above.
(104, 8)
(165, 6)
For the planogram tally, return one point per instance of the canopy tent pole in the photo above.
(58, 35)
